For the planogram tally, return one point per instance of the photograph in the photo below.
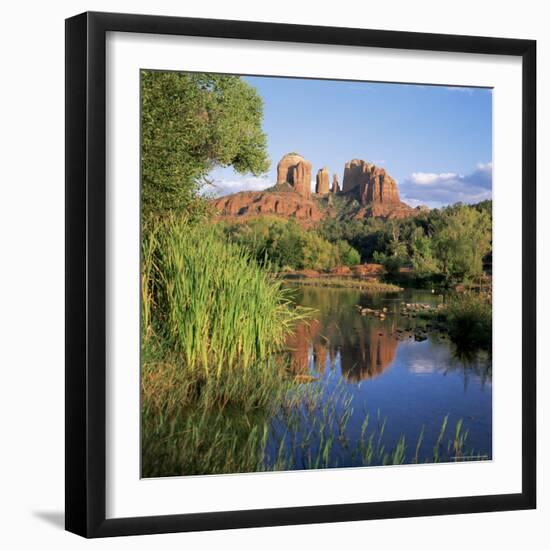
(316, 274)
(274, 275)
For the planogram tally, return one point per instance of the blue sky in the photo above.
(435, 141)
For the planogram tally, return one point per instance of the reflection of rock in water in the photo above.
(320, 354)
(363, 353)
(374, 353)
(299, 345)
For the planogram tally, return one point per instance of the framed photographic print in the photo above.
(300, 274)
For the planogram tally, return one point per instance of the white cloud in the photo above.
(222, 187)
(437, 190)
(415, 202)
(427, 178)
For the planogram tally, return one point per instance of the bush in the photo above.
(470, 320)
(392, 264)
(347, 255)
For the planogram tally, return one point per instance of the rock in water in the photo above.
(295, 171)
(322, 186)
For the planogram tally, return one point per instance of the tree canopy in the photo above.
(462, 237)
(286, 245)
(192, 123)
(451, 243)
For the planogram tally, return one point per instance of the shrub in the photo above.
(347, 255)
(469, 319)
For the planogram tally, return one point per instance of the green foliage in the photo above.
(191, 123)
(285, 244)
(461, 238)
(208, 301)
(423, 261)
(347, 254)
(367, 236)
(193, 425)
(451, 244)
(469, 319)
(395, 255)
(317, 253)
(392, 264)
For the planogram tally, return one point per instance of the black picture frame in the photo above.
(86, 275)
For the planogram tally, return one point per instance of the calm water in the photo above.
(364, 365)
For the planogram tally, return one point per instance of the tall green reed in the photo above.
(207, 300)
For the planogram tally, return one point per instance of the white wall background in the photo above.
(32, 271)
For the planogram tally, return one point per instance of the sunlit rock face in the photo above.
(374, 184)
(375, 189)
(335, 185)
(250, 204)
(376, 193)
(322, 186)
(295, 170)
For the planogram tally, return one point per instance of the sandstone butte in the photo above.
(375, 191)
(322, 186)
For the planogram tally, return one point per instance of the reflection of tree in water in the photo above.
(471, 363)
(365, 345)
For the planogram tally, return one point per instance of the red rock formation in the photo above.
(248, 204)
(294, 170)
(335, 185)
(375, 185)
(291, 198)
(375, 189)
(353, 174)
(322, 186)
(378, 188)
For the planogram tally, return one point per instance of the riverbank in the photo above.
(365, 285)
(466, 318)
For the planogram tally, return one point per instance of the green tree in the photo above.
(190, 124)
(462, 237)
(423, 262)
(347, 255)
(317, 252)
(392, 264)
(284, 245)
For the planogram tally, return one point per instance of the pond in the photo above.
(381, 395)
